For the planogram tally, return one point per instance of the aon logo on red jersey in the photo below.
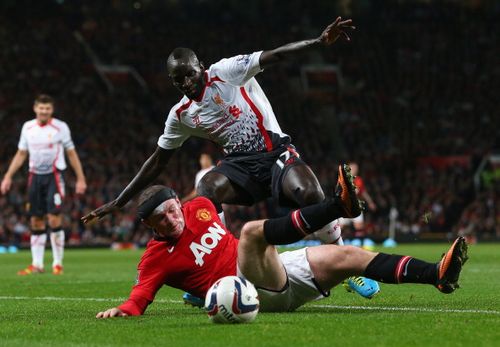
(208, 241)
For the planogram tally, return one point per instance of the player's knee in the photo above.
(348, 256)
(349, 252)
(210, 188)
(309, 195)
(203, 189)
(54, 221)
(37, 223)
(252, 231)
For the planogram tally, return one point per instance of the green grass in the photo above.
(47, 310)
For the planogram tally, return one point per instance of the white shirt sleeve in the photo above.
(173, 135)
(23, 141)
(239, 69)
(66, 140)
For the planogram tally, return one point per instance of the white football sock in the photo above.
(57, 241)
(38, 249)
(330, 233)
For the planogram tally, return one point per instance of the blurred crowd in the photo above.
(418, 81)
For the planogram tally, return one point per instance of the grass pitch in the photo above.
(47, 310)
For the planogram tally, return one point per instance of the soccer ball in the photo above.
(232, 299)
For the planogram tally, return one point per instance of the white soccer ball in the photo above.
(232, 299)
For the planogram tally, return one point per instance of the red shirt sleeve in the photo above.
(134, 306)
(151, 275)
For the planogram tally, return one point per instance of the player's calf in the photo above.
(397, 269)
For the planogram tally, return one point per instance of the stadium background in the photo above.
(413, 99)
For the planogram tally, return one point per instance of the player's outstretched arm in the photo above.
(148, 172)
(16, 163)
(112, 312)
(328, 36)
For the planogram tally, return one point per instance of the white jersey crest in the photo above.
(232, 110)
(45, 145)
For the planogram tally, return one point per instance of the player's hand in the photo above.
(100, 212)
(6, 184)
(335, 30)
(112, 312)
(81, 187)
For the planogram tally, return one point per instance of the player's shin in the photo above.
(57, 239)
(390, 268)
(300, 223)
(38, 240)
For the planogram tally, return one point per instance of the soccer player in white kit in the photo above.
(226, 104)
(45, 139)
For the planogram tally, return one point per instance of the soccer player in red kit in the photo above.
(192, 249)
(182, 262)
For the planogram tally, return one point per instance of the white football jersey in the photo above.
(232, 110)
(45, 145)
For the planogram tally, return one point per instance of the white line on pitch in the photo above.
(366, 308)
(54, 298)
(415, 309)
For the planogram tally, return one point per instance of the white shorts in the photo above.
(300, 289)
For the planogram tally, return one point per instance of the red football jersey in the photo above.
(205, 252)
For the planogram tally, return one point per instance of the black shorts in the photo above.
(46, 193)
(260, 175)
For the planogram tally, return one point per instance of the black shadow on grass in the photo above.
(336, 310)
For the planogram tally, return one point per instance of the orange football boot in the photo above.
(450, 266)
(30, 270)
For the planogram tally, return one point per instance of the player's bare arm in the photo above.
(151, 169)
(331, 33)
(74, 160)
(16, 163)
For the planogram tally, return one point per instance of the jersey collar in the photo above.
(43, 125)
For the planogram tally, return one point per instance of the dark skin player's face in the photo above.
(187, 76)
